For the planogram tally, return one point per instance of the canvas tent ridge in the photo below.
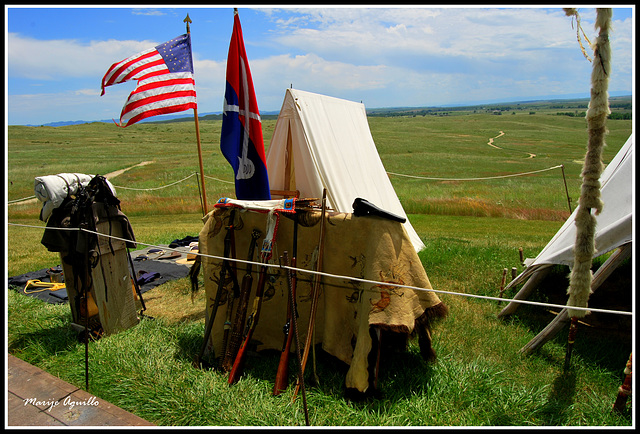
(325, 142)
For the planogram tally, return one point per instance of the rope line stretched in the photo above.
(351, 278)
(21, 200)
(476, 179)
(156, 188)
(220, 180)
(390, 173)
(138, 189)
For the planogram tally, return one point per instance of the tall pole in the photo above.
(566, 190)
(205, 208)
(581, 276)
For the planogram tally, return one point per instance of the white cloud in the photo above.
(382, 56)
(148, 12)
(84, 104)
(63, 58)
(472, 33)
(88, 92)
(497, 46)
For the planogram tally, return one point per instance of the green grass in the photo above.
(472, 231)
(479, 380)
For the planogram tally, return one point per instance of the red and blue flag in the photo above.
(241, 139)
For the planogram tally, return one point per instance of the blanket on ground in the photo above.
(144, 264)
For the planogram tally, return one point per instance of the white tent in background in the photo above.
(325, 142)
(613, 231)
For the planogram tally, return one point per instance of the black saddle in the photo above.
(362, 207)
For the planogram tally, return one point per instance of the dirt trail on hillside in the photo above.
(121, 171)
(109, 176)
(490, 143)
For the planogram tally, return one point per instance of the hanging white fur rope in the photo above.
(581, 275)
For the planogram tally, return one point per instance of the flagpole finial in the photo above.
(187, 20)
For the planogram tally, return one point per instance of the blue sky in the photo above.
(55, 57)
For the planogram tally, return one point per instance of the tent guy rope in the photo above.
(336, 276)
(477, 179)
(390, 173)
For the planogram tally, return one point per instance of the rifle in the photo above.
(230, 300)
(241, 312)
(221, 281)
(252, 321)
(238, 363)
(282, 373)
(316, 294)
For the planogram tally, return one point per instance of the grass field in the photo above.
(472, 229)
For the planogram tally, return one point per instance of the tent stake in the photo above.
(504, 279)
(573, 328)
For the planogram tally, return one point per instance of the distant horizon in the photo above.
(187, 114)
(380, 55)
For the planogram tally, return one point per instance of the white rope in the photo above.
(20, 200)
(390, 173)
(475, 179)
(136, 189)
(221, 180)
(156, 188)
(337, 276)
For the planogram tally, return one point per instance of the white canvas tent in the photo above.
(614, 230)
(325, 142)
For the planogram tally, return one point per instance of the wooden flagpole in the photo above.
(205, 208)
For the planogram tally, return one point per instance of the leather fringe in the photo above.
(422, 326)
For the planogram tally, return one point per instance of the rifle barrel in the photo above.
(238, 364)
(223, 272)
(241, 312)
(282, 373)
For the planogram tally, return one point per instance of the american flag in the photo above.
(165, 80)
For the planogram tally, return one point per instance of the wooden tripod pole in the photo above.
(205, 208)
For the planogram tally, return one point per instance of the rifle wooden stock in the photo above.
(238, 364)
(241, 312)
(223, 272)
(282, 374)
